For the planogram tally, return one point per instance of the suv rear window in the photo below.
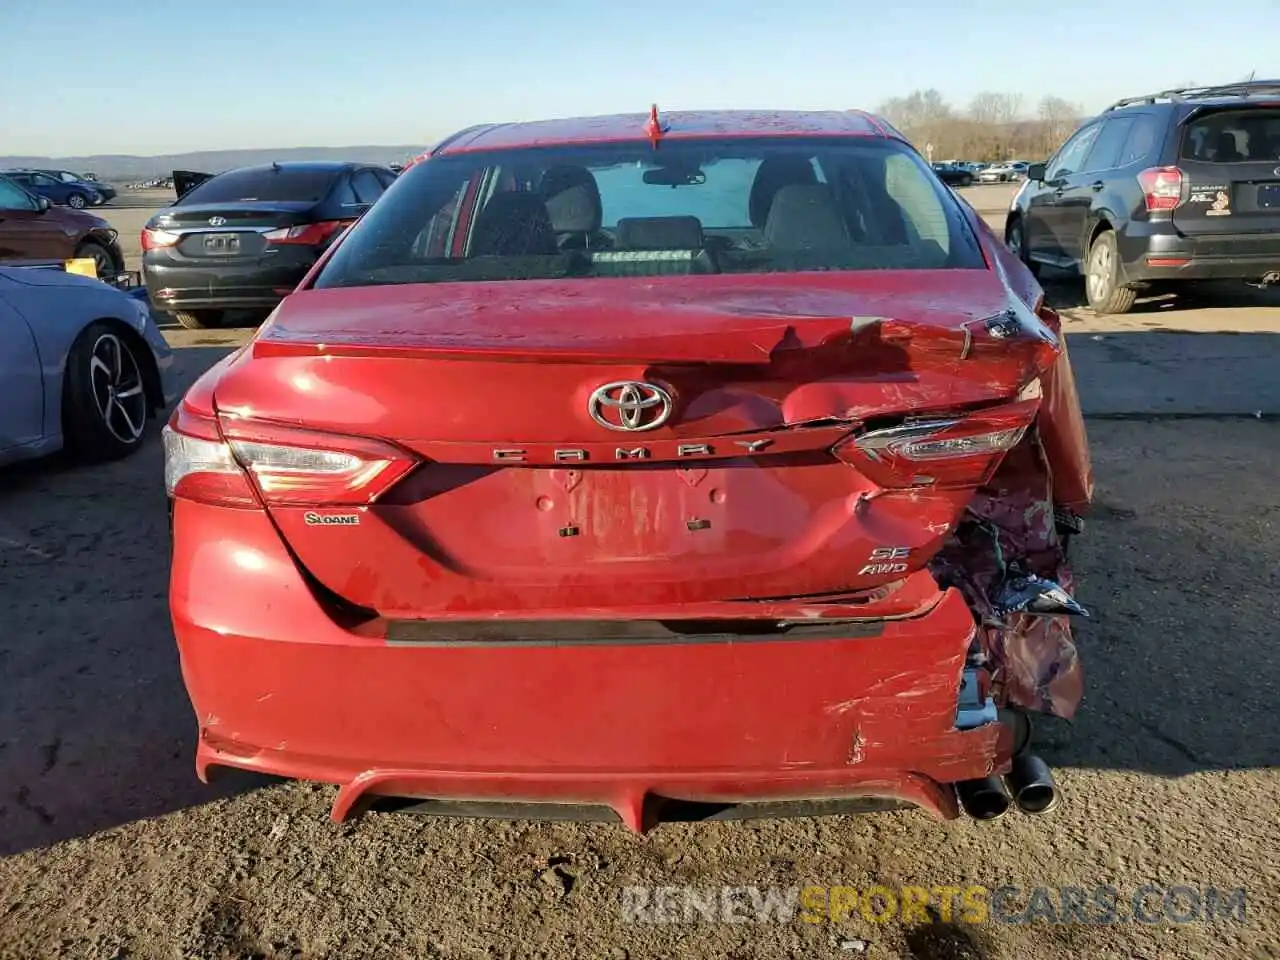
(1234, 136)
(723, 205)
(263, 184)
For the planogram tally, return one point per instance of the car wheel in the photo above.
(104, 397)
(103, 262)
(198, 319)
(1102, 285)
(1015, 238)
(77, 200)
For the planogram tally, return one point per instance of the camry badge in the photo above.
(217, 221)
(630, 406)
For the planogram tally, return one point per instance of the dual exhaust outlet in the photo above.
(1028, 785)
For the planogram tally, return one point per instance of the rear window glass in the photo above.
(1234, 136)
(263, 184)
(690, 207)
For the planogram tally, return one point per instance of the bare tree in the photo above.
(923, 115)
(1058, 119)
(992, 127)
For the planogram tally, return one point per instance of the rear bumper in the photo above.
(184, 286)
(1153, 252)
(280, 687)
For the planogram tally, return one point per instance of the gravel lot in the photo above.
(109, 847)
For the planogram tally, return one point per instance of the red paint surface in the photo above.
(446, 376)
(279, 686)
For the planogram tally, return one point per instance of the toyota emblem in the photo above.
(217, 221)
(630, 406)
(1276, 171)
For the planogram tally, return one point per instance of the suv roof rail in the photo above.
(1245, 88)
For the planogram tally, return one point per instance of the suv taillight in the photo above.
(1161, 187)
(246, 463)
(963, 450)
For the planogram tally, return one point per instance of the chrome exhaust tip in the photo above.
(983, 799)
(1031, 785)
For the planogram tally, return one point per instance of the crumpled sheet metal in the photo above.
(1033, 659)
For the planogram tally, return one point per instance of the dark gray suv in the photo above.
(1158, 190)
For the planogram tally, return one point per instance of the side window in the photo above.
(1105, 154)
(1070, 158)
(14, 198)
(1142, 139)
(41, 180)
(386, 177)
(367, 186)
(344, 194)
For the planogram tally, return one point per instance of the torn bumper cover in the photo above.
(868, 709)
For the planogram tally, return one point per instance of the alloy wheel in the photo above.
(1101, 268)
(116, 385)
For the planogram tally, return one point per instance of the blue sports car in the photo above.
(83, 367)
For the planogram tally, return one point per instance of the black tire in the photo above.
(1102, 287)
(102, 259)
(77, 200)
(1015, 238)
(104, 395)
(198, 319)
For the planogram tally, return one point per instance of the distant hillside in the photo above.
(122, 168)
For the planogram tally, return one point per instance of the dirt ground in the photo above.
(110, 849)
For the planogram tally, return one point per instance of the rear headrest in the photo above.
(1225, 147)
(573, 199)
(513, 225)
(659, 233)
(806, 218)
(773, 174)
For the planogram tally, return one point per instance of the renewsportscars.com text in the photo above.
(971, 904)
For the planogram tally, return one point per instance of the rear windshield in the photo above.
(263, 184)
(1234, 136)
(688, 207)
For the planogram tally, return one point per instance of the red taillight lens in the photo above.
(155, 239)
(1161, 187)
(240, 462)
(955, 451)
(199, 465)
(310, 234)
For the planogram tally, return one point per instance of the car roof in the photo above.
(299, 166)
(675, 125)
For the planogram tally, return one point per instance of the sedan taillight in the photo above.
(310, 234)
(245, 463)
(963, 450)
(156, 239)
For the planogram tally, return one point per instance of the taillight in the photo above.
(199, 464)
(953, 451)
(309, 234)
(241, 463)
(155, 239)
(1161, 187)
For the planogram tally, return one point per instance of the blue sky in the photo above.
(157, 76)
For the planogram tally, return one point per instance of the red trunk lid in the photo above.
(530, 494)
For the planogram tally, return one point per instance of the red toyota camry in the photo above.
(650, 467)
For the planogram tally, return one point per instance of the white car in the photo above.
(1004, 172)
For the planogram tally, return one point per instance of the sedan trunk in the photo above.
(549, 459)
